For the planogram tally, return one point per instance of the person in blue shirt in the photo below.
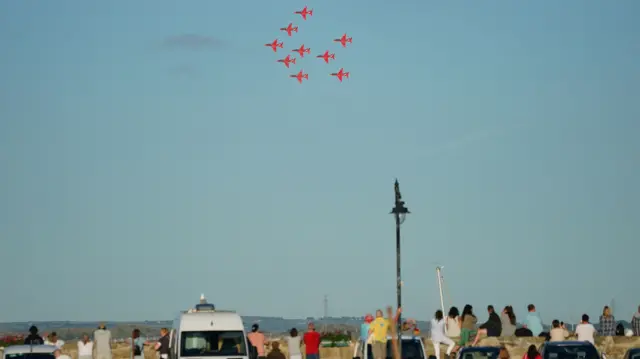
(364, 328)
(533, 322)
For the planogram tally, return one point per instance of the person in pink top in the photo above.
(532, 353)
(258, 340)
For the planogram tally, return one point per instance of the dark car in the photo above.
(633, 353)
(568, 350)
(478, 353)
(412, 348)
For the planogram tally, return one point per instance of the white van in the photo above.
(29, 352)
(205, 332)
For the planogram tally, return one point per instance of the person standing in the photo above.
(378, 330)
(102, 343)
(364, 328)
(33, 338)
(162, 346)
(257, 339)
(311, 341)
(533, 322)
(585, 331)
(294, 344)
(137, 345)
(438, 335)
(607, 322)
(85, 347)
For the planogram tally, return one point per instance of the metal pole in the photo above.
(438, 269)
(399, 282)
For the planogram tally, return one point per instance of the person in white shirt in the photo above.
(58, 354)
(52, 339)
(438, 335)
(85, 347)
(294, 344)
(585, 331)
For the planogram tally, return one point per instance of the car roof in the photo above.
(404, 337)
(568, 343)
(19, 349)
(479, 349)
(633, 350)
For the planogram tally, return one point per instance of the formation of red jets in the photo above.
(302, 50)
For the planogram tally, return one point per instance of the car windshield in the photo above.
(30, 356)
(634, 355)
(212, 343)
(480, 353)
(411, 349)
(570, 352)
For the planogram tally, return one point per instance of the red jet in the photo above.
(327, 56)
(274, 45)
(288, 60)
(305, 12)
(340, 74)
(302, 50)
(289, 29)
(300, 76)
(344, 39)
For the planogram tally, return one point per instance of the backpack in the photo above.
(137, 351)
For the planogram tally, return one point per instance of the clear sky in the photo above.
(151, 151)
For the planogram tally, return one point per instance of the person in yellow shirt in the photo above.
(378, 329)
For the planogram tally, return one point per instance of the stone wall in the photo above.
(614, 347)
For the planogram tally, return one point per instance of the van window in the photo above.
(30, 356)
(212, 343)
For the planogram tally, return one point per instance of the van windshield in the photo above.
(571, 352)
(212, 343)
(30, 356)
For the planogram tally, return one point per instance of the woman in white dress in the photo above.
(293, 343)
(453, 323)
(438, 335)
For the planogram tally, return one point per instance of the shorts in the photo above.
(313, 356)
(465, 335)
(379, 350)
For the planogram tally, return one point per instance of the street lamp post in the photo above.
(399, 211)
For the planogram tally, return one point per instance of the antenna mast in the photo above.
(326, 306)
(439, 274)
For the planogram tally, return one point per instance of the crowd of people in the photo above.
(99, 345)
(464, 327)
(375, 331)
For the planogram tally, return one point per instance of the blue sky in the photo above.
(154, 150)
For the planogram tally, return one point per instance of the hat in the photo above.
(255, 327)
(368, 318)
